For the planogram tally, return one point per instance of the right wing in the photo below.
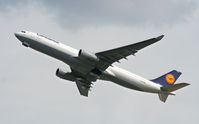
(114, 55)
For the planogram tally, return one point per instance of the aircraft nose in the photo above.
(23, 38)
(17, 34)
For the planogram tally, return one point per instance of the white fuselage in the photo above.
(68, 55)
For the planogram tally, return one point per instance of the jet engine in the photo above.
(65, 75)
(88, 56)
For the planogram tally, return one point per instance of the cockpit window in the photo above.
(23, 31)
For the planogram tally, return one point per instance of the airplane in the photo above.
(87, 67)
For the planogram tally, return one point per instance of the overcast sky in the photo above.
(31, 93)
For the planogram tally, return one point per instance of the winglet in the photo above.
(159, 37)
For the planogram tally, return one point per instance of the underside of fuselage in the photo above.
(120, 82)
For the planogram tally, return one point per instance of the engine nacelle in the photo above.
(65, 75)
(88, 56)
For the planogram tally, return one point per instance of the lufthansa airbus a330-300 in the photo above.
(87, 67)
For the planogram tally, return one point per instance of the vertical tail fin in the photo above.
(168, 79)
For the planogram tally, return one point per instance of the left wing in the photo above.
(82, 83)
(114, 55)
(83, 87)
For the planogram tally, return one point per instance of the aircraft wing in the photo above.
(82, 83)
(83, 87)
(114, 55)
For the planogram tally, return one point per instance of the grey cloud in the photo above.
(80, 13)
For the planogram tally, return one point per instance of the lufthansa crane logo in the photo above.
(170, 78)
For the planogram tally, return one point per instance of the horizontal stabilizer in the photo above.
(83, 86)
(169, 89)
(174, 87)
(163, 97)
